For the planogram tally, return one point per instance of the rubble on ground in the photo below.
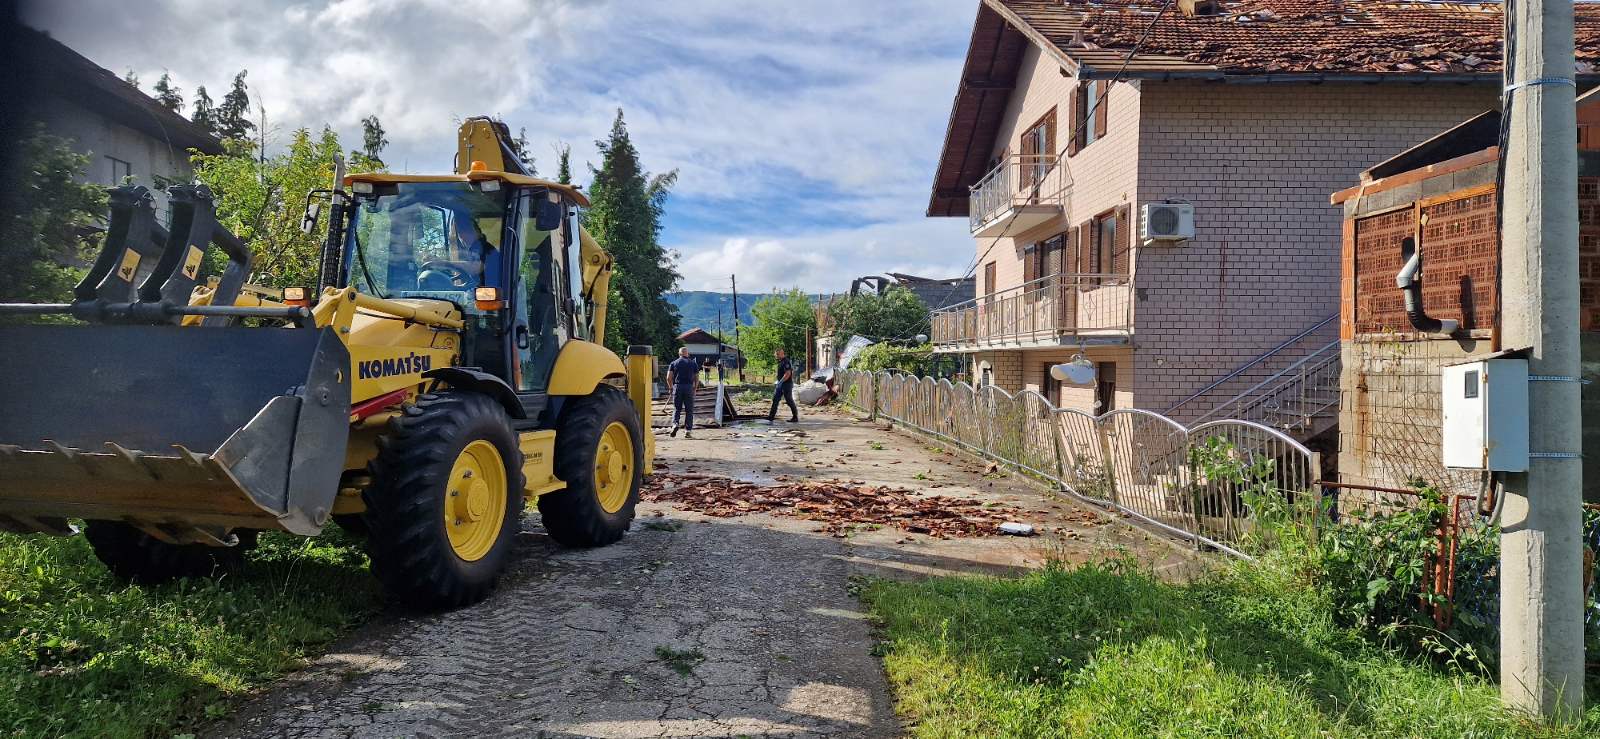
(837, 504)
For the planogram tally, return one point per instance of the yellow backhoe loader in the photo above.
(448, 371)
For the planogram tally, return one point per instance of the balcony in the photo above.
(1059, 310)
(1024, 191)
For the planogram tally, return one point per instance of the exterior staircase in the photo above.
(1299, 395)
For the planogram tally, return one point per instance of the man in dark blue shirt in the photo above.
(784, 389)
(683, 376)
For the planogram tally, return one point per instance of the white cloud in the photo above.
(826, 261)
(812, 114)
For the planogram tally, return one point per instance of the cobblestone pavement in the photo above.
(756, 610)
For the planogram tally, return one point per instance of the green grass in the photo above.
(1107, 650)
(82, 654)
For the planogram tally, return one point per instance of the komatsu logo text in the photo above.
(395, 366)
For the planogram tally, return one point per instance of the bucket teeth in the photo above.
(53, 525)
(135, 459)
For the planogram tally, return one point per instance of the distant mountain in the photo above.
(698, 308)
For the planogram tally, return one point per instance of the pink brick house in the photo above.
(1251, 112)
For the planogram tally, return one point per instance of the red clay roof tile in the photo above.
(1291, 36)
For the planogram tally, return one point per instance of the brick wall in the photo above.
(1459, 254)
(1080, 397)
(1258, 163)
(1103, 174)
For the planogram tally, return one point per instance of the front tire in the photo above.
(445, 500)
(133, 555)
(599, 453)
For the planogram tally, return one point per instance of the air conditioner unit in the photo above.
(1166, 223)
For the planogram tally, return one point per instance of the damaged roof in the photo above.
(1252, 37)
(1223, 40)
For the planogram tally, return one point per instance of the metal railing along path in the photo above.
(1135, 461)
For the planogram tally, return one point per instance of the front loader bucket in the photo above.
(183, 432)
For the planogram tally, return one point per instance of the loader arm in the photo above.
(596, 281)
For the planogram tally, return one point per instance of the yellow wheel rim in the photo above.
(613, 467)
(475, 500)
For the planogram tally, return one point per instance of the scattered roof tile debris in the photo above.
(836, 504)
(1296, 36)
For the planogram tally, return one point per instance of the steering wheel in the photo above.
(458, 275)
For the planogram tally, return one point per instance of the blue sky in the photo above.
(804, 133)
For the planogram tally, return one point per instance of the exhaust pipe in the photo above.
(1410, 280)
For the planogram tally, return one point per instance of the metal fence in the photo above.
(1138, 462)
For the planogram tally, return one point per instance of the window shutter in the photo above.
(1101, 93)
(1122, 254)
(1030, 267)
(1075, 118)
(1050, 135)
(1069, 258)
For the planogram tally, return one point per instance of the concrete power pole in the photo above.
(1541, 594)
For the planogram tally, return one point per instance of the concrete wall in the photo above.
(1258, 162)
(101, 138)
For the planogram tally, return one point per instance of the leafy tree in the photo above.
(373, 141)
(51, 221)
(233, 115)
(780, 320)
(259, 199)
(131, 78)
(564, 164)
(898, 315)
(917, 360)
(168, 95)
(205, 113)
(625, 217)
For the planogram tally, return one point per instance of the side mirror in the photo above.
(308, 222)
(547, 215)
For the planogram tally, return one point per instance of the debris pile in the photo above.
(837, 504)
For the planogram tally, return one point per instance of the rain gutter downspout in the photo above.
(1410, 280)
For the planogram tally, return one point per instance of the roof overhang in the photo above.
(987, 78)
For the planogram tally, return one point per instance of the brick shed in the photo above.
(1441, 195)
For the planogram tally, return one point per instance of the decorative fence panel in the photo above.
(1201, 484)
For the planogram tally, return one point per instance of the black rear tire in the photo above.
(575, 517)
(407, 538)
(133, 555)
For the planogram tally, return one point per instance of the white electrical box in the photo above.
(1486, 415)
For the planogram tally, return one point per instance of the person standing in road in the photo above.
(784, 390)
(683, 376)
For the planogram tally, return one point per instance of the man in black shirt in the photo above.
(784, 390)
(683, 376)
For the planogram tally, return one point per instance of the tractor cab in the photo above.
(504, 250)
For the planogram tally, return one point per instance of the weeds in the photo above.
(662, 524)
(875, 446)
(682, 662)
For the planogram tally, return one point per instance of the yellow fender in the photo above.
(582, 366)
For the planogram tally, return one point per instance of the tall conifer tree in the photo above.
(625, 217)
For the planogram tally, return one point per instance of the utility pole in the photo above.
(1541, 593)
(734, 279)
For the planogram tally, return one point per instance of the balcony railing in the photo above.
(1050, 311)
(1019, 193)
